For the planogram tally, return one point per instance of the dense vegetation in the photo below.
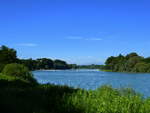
(20, 71)
(44, 63)
(20, 96)
(8, 56)
(108, 100)
(129, 63)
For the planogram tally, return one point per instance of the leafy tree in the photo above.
(18, 70)
(59, 64)
(148, 67)
(30, 63)
(146, 60)
(132, 61)
(73, 66)
(141, 67)
(133, 54)
(129, 63)
(7, 56)
(45, 63)
(110, 62)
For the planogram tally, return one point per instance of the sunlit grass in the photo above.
(109, 100)
(19, 96)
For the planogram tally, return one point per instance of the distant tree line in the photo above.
(44, 63)
(92, 66)
(8, 56)
(130, 63)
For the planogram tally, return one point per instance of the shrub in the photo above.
(109, 100)
(18, 70)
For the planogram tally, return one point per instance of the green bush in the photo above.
(109, 100)
(18, 70)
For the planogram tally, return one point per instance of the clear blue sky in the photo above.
(78, 31)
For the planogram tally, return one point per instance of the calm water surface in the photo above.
(92, 79)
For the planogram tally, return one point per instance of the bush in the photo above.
(18, 70)
(109, 100)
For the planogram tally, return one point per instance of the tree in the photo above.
(18, 70)
(45, 63)
(133, 54)
(141, 67)
(132, 61)
(7, 56)
(73, 66)
(128, 63)
(146, 60)
(59, 64)
(30, 63)
(110, 62)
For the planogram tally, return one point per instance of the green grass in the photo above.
(109, 100)
(20, 96)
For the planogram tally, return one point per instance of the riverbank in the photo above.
(19, 96)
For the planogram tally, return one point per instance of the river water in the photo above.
(92, 79)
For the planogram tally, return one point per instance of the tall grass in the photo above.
(109, 100)
(20, 96)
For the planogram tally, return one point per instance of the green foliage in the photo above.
(7, 56)
(14, 81)
(129, 63)
(146, 60)
(30, 63)
(18, 70)
(142, 67)
(133, 54)
(109, 100)
(73, 66)
(59, 64)
(20, 96)
(44, 63)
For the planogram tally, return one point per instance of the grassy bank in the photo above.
(20, 96)
(109, 100)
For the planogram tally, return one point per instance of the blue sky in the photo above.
(78, 31)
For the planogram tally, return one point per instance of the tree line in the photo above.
(44, 63)
(92, 66)
(130, 63)
(9, 55)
